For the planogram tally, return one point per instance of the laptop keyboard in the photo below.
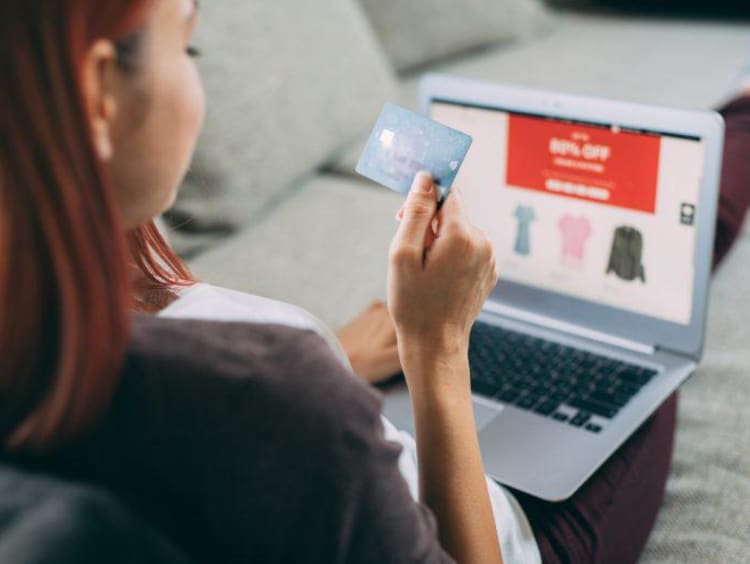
(568, 385)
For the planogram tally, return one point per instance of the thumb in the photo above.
(418, 213)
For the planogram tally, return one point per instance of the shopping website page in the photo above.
(598, 212)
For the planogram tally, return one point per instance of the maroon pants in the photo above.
(610, 518)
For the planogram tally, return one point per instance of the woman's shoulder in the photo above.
(212, 368)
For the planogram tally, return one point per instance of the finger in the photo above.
(453, 213)
(419, 211)
(431, 235)
(483, 238)
(400, 213)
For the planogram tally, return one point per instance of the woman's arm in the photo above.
(451, 473)
(441, 271)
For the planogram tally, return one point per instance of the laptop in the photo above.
(602, 216)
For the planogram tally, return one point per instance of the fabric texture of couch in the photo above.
(51, 521)
(318, 72)
(704, 516)
(419, 32)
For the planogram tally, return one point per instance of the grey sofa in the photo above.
(272, 206)
(46, 520)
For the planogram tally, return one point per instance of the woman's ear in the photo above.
(99, 80)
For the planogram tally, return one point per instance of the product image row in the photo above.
(625, 257)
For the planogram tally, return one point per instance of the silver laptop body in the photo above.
(539, 454)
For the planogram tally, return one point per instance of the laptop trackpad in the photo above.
(484, 415)
(397, 408)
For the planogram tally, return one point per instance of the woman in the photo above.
(196, 425)
(241, 442)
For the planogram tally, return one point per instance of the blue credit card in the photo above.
(404, 143)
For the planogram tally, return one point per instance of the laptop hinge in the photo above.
(680, 354)
(569, 328)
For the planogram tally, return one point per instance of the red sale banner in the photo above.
(596, 164)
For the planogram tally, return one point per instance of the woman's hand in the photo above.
(370, 343)
(442, 269)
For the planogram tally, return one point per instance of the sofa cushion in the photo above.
(704, 517)
(287, 84)
(652, 60)
(646, 60)
(324, 249)
(45, 520)
(417, 32)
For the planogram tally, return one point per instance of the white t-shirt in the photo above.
(203, 301)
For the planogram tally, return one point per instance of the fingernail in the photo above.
(423, 182)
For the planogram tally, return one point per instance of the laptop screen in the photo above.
(595, 211)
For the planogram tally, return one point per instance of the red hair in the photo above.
(66, 263)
